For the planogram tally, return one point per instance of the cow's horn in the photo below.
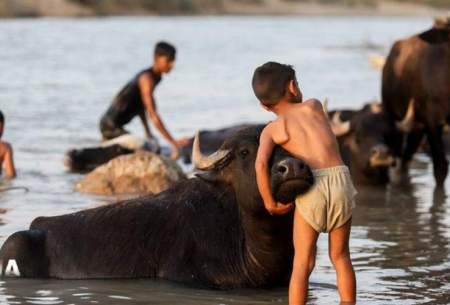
(377, 61)
(325, 107)
(407, 123)
(203, 162)
(375, 107)
(339, 127)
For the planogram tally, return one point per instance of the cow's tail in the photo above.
(23, 255)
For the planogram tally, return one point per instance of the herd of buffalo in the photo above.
(212, 229)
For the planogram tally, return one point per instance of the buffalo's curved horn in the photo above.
(203, 162)
(407, 123)
(377, 62)
(375, 107)
(339, 127)
(325, 107)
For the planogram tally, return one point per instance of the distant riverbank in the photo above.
(42, 8)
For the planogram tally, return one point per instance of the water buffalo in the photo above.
(368, 141)
(417, 71)
(86, 159)
(210, 230)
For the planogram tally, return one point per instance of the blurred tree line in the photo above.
(196, 6)
(160, 6)
(12, 8)
(435, 3)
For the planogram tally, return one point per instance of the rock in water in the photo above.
(138, 173)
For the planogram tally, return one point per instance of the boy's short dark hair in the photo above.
(163, 48)
(270, 80)
(2, 117)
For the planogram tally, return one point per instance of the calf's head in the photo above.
(234, 164)
(83, 160)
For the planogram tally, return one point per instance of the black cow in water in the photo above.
(86, 159)
(211, 230)
(417, 71)
(369, 142)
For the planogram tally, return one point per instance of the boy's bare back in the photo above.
(302, 128)
(304, 131)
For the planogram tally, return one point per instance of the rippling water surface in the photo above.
(59, 75)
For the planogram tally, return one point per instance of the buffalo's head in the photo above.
(86, 159)
(234, 165)
(370, 141)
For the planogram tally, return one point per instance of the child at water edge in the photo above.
(6, 153)
(302, 128)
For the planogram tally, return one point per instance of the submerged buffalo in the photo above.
(417, 71)
(211, 230)
(87, 159)
(369, 142)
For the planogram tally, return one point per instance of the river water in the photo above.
(59, 75)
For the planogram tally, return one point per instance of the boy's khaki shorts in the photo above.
(329, 203)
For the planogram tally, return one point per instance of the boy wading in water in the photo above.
(302, 129)
(136, 99)
(6, 153)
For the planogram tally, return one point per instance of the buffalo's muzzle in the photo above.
(381, 156)
(291, 168)
(290, 177)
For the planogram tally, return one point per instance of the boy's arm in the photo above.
(143, 118)
(279, 134)
(146, 87)
(265, 149)
(10, 170)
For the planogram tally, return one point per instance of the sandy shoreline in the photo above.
(65, 8)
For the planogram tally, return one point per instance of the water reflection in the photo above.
(413, 237)
(128, 292)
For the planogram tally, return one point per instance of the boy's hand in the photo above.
(175, 152)
(182, 141)
(279, 208)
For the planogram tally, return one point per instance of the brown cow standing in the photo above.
(418, 70)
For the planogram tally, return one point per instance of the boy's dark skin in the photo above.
(6, 153)
(136, 99)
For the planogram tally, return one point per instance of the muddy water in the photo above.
(58, 76)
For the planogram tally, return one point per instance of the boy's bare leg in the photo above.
(339, 251)
(305, 238)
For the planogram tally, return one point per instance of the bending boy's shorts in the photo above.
(109, 130)
(328, 204)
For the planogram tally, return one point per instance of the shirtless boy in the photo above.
(303, 130)
(6, 153)
(136, 99)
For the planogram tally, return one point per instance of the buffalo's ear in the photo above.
(209, 176)
(435, 36)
